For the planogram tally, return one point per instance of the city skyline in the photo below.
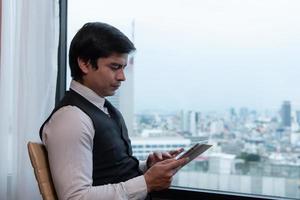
(262, 152)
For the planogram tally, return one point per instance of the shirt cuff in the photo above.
(143, 166)
(136, 188)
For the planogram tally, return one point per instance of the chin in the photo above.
(111, 93)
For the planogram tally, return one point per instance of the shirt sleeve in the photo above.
(68, 137)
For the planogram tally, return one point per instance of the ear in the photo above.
(83, 65)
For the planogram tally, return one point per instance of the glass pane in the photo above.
(222, 71)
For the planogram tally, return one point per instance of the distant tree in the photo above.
(249, 157)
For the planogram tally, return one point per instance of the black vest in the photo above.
(112, 154)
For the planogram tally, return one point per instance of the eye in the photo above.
(116, 66)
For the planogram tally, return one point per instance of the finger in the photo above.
(166, 161)
(158, 155)
(176, 163)
(174, 171)
(166, 155)
(150, 157)
(176, 152)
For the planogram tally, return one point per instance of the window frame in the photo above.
(62, 51)
(179, 193)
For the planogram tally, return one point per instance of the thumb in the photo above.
(177, 163)
(167, 161)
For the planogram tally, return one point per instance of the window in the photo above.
(222, 71)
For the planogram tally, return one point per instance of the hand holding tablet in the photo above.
(194, 152)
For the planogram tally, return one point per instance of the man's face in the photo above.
(108, 77)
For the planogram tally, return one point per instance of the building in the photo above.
(142, 146)
(285, 113)
(298, 117)
(189, 122)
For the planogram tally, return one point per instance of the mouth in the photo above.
(116, 86)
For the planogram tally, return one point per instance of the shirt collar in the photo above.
(87, 93)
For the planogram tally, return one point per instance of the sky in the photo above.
(206, 55)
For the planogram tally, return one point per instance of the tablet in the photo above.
(194, 152)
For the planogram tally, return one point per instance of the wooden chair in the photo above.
(39, 161)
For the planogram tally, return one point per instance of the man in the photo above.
(86, 138)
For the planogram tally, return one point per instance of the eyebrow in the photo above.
(118, 65)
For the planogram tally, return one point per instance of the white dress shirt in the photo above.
(68, 137)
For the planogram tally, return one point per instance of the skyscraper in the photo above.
(285, 114)
(189, 122)
(298, 117)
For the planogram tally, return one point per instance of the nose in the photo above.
(121, 75)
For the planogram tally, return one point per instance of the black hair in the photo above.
(96, 40)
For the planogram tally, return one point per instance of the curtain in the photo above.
(28, 70)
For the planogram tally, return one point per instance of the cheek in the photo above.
(111, 77)
(106, 78)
